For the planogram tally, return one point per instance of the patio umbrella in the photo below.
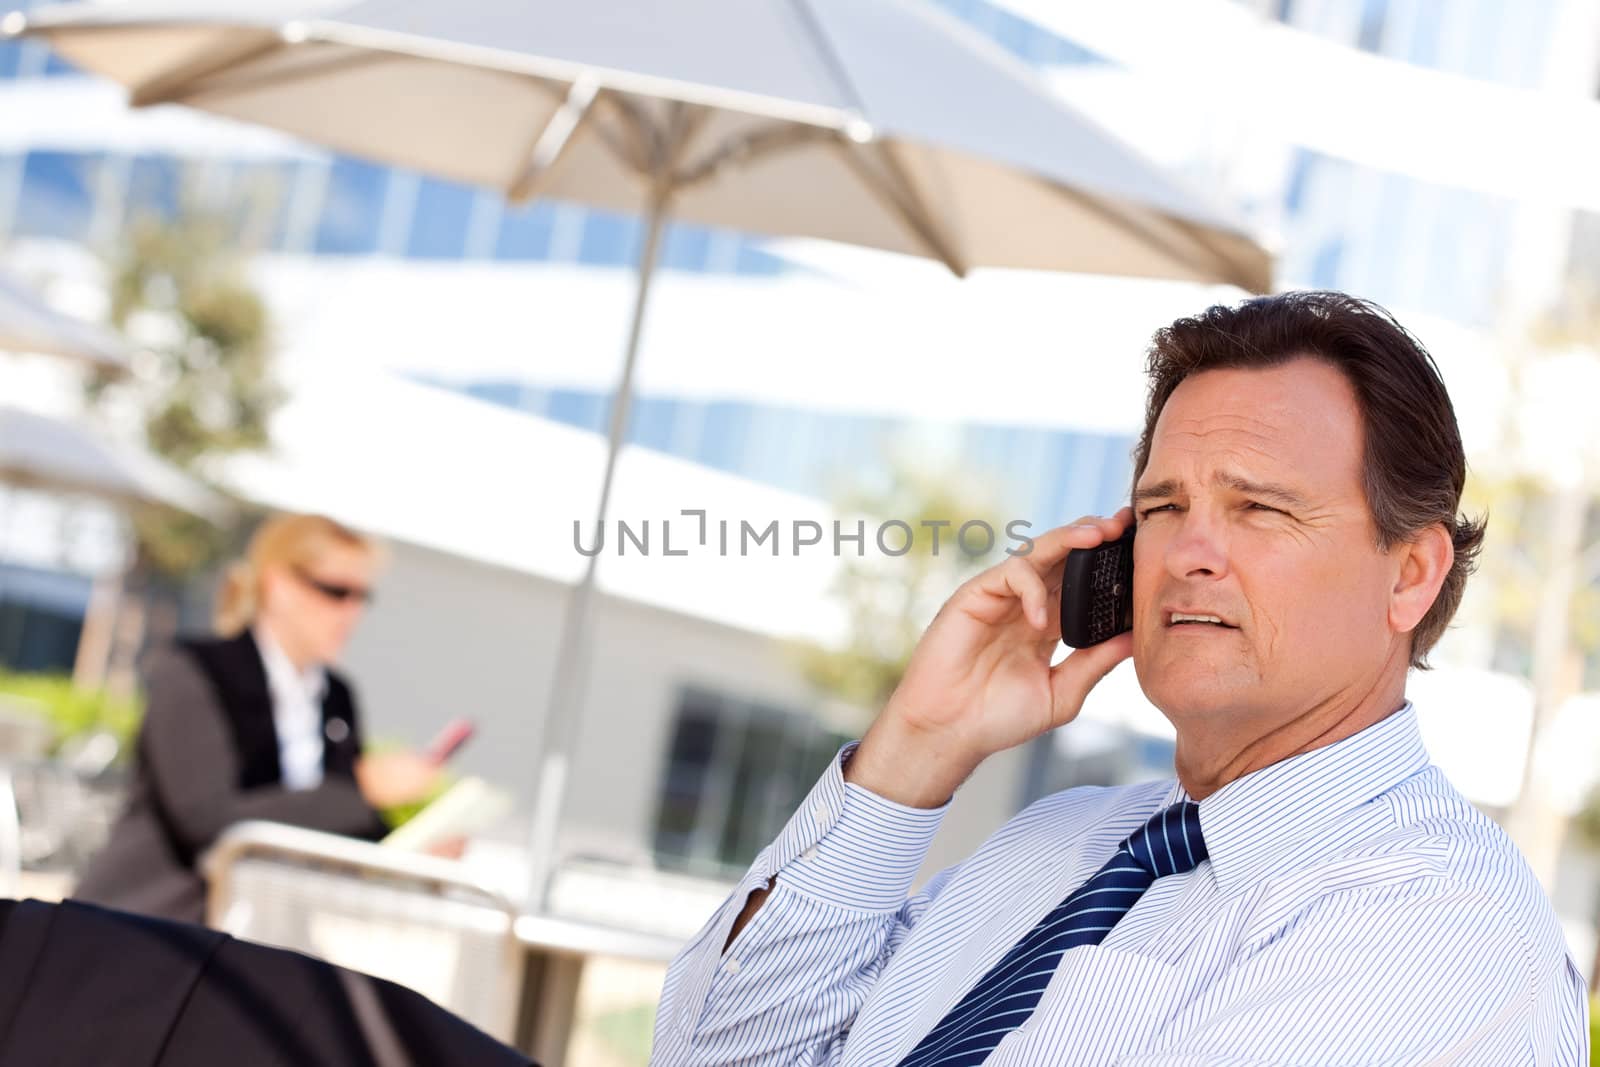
(42, 452)
(55, 455)
(27, 324)
(882, 123)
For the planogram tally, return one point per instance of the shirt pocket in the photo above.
(1102, 1004)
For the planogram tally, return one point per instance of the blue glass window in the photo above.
(257, 201)
(725, 435)
(754, 259)
(153, 187)
(1427, 28)
(687, 247)
(525, 231)
(965, 10)
(57, 197)
(533, 400)
(10, 58)
(1299, 175)
(505, 394)
(1019, 36)
(1325, 264)
(1013, 34)
(1466, 246)
(652, 420)
(351, 208)
(56, 67)
(1370, 35)
(440, 219)
(1486, 40)
(582, 409)
(609, 239)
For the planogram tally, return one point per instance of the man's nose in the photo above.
(1200, 548)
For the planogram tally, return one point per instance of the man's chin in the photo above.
(1187, 691)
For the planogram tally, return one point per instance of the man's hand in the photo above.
(980, 679)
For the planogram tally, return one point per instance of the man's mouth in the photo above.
(1185, 618)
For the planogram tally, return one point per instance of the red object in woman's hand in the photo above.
(452, 737)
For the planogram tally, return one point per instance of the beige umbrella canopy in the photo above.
(882, 123)
(875, 122)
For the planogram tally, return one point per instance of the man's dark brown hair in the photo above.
(1413, 466)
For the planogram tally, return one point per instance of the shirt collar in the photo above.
(1247, 822)
(281, 672)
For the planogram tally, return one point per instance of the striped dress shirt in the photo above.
(1354, 909)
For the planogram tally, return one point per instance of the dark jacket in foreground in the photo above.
(207, 757)
(82, 986)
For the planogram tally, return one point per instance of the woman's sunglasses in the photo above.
(334, 590)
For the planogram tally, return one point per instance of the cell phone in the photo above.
(1097, 592)
(447, 741)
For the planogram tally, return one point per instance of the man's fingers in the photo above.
(1073, 677)
(1026, 585)
(1025, 578)
(1052, 546)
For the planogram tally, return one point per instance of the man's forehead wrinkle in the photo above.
(1243, 450)
(1210, 424)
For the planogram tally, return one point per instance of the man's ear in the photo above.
(1425, 560)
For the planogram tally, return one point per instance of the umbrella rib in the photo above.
(267, 79)
(917, 206)
(553, 139)
(900, 199)
(644, 132)
(830, 56)
(172, 82)
(756, 143)
(1143, 231)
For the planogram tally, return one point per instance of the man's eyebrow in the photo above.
(1158, 491)
(1171, 487)
(1280, 493)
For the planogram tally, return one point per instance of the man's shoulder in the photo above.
(1470, 858)
(1428, 812)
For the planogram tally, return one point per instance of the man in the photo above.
(1308, 890)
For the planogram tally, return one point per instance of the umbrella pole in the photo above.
(566, 690)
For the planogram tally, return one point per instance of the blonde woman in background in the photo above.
(254, 724)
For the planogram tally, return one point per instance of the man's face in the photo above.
(1251, 510)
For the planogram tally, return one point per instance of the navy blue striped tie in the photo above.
(1170, 843)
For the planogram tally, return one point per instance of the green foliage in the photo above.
(889, 600)
(203, 387)
(1586, 823)
(73, 711)
(1516, 554)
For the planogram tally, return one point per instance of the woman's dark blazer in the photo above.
(207, 757)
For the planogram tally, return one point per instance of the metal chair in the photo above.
(415, 920)
(25, 737)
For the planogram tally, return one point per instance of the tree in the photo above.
(1541, 564)
(888, 600)
(203, 387)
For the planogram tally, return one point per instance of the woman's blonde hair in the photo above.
(292, 540)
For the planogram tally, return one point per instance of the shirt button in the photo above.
(810, 853)
(731, 967)
(823, 814)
